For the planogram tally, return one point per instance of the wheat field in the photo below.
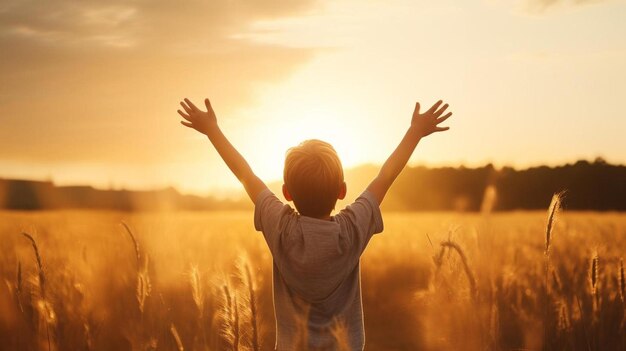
(202, 281)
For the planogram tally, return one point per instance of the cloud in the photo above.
(99, 81)
(539, 6)
(148, 23)
(66, 22)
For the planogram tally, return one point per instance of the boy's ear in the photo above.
(342, 191)
(286, 193)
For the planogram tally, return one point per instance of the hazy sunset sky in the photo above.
(90, 89)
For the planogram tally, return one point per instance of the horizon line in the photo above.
(233, 191)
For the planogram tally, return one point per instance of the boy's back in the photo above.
(316, 256)
(316, 273)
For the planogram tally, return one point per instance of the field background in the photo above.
(414, 297)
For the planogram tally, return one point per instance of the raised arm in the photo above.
(206, 123)
(421, 125)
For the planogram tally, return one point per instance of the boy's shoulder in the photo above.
(269, 209)
(363, 215)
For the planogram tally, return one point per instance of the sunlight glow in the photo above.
(523, 86)
(288, 124)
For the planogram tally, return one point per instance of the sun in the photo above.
(286, 131)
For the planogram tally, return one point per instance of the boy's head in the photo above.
(313, 178)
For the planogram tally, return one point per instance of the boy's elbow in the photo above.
(252, 182)
(246, 181)
(245, 175)
(384, 177)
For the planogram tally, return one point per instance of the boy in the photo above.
(316, 271)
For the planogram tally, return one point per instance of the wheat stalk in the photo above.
(494, 323)
(19, 276)
(174, 332)
(197, 290)
(438, 258)
(553, 209)
(468, 272)
(135, 243)
(249, 300)
(43, 304)
(254, 314)
(622, 282)
(594, 273)
(563, 323)
(42, 277)
(18, 286)
(557, 281)
(228, 315)
(236, 328)
(593, 277)
(198, 295)
(555, 206)
(143, 285)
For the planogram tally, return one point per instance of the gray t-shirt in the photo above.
(316, 274)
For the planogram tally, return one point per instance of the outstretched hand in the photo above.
(197, 119)
(428, 122)
(205, 122)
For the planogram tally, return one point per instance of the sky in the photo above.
(90, 89)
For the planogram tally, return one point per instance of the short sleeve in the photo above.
(365, 217)
(270, 217)
(267, 209)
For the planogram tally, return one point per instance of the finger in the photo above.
(207, 103)
(441, 129)
(434, 107)
(441, 110)
(441, 119)
(186, 124)
(187, 108)
(417, 109)
(191, 104)
(184, 115)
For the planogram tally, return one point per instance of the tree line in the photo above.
(596, 185)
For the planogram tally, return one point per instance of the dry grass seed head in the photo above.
(18, 286)
(135, 243)
(42, 277)
(555, 206)
(143, 285)
(249, 301)
(46, 311)
(197, 289)
(563, 321)
(19, 277)
(594, 273)
(557, 281)
(468, 272)
(174, 332)
(622, 282)
(228, 317)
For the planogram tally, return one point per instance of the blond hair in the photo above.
(313, 176)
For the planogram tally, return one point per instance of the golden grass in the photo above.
(207, 282)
